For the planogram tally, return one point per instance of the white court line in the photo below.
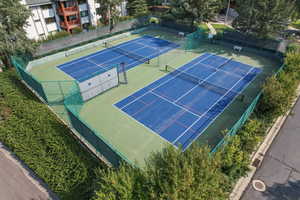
(98, 53)
(148, 57)
(211, 107)
(160, 84)
(225, 107)
(204, 80)
(103, 63)
(121, 55)
(221, 70)
(143, 125)
(179, 106)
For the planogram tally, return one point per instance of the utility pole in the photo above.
(227, 12)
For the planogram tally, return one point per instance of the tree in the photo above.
(196, 10)
(13, 39)
(169, 174)
(262, 17)
(137, 7)
(296, 13)
(109, 11)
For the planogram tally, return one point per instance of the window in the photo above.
(84, 13)
(72, 17)
(50, 20)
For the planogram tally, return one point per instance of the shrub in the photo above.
(170, 174)
(77, 30)
(154, 20)
(36, 136)
(274, 101)
(124, 18)
(294, 47)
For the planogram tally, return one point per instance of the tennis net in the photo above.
(128, 53)
(227, 61)
(202, 83)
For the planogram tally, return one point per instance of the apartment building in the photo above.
(51, 16)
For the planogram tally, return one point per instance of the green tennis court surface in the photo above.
(134, 140)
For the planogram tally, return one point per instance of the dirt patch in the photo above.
(5, 112)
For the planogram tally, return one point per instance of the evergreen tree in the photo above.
(137, 7)
(13, 39)
(262, 17)
(197, 10)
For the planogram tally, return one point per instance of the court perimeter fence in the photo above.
(64, 98)
(273, 49)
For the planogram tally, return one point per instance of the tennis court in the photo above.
(182, 104)
(132, 53)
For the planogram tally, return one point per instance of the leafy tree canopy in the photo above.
(137, 7)
(109, 11)
(13, 16)
(197, 10)
(263, 17)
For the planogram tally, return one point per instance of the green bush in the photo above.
(55, 36)
(294, 47)
(296, 24)
(154, 20)
(77, 30)
(38, 138)
(275, 99)
(125, 18)
(167, 175)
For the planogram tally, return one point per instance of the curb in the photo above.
(211, 29)
(258, 156)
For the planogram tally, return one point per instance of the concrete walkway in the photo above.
(17, 182)
(280, 169)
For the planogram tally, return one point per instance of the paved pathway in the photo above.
(18, 182)
(280, 169)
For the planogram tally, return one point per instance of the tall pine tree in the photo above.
(262, 17)
(137, 7)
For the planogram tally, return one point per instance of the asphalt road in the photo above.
(280, 169)
(17, 182)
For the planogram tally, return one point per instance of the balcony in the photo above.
(70, 24)
(68, 11)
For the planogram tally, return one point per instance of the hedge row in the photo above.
(36, 136)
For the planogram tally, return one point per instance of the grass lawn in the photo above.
(296, 24)
(220, 28)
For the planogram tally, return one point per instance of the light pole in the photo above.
(227, 12)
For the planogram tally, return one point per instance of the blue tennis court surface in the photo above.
(182, 104)
(141, 50)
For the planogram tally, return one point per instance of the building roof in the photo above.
(37, 2)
